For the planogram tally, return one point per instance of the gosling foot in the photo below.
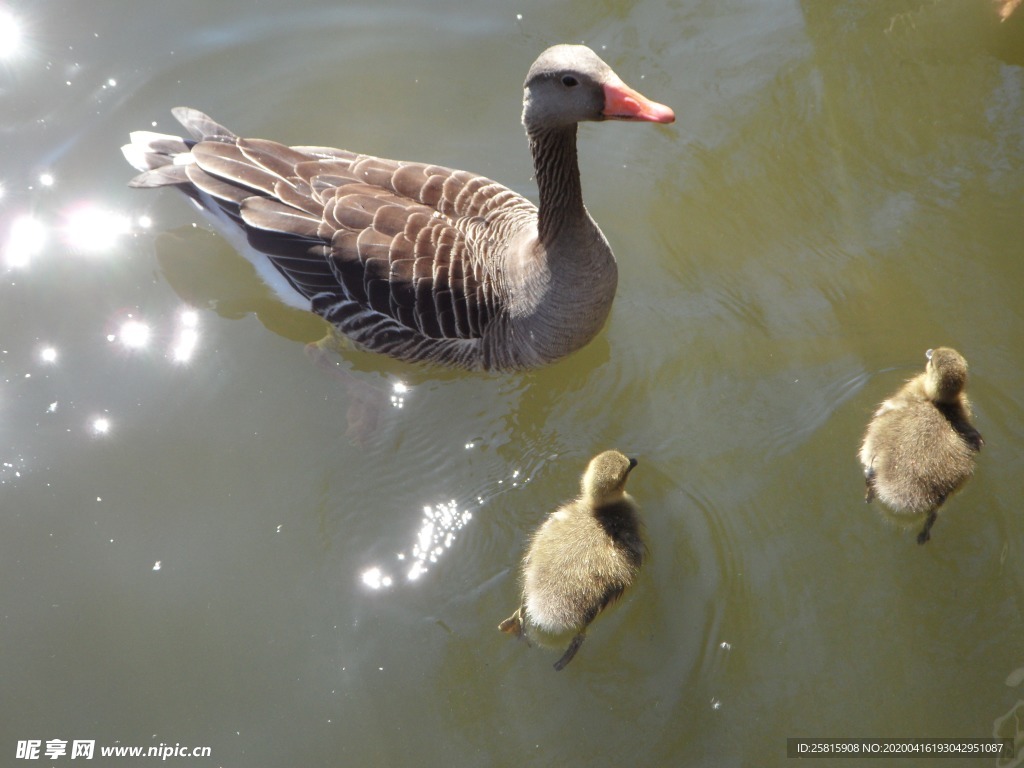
(513, 624)
(925, 533)
(570, 652)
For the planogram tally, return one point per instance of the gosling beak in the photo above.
(623, 103)
(928, 354)
(632, 463)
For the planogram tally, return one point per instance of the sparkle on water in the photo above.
(25, 240)
(11, 37)
(91, 228)
(134, 334)
(187, 336)
(438, 529)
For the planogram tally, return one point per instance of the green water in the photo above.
(207, 540)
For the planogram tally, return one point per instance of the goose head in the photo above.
(569, 84)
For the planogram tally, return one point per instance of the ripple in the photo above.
(810, 403)
(721, 578)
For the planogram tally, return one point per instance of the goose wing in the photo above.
(388, 251)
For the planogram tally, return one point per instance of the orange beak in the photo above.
(623, 103)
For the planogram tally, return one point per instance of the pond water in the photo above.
(207, 540)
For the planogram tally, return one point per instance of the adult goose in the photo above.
(417, 261)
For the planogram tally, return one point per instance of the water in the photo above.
(210, 541)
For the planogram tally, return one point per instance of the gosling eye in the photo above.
(569, 81)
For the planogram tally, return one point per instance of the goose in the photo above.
(417, 261)
(582, 557)
(919, 447)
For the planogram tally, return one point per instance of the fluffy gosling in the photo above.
(582, 557)
(919, 447)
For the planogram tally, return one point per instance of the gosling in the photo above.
(919, 447)
(582, 558)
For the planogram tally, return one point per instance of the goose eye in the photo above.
(569, 81)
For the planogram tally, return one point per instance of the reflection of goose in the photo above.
(582, 557)
(920, 445)
(415, 260)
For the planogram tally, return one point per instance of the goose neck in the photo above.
(557, 171)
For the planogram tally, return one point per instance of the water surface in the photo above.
(208, 540)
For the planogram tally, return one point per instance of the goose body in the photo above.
(583, 556)
(919, 447)
(418, 261)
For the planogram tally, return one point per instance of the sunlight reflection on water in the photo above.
(25, 240)
(90, 228)
(187, 336)
(437, 533)
(10, 36)
(134, 334)
(399, 390)
(439, 528)
(100, 426)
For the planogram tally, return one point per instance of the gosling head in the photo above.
(946, 374)
(604, 481)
